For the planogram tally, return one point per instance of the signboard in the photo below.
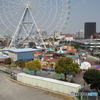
(36, 54)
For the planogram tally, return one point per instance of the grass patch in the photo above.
(28, 71)
(13, 67)
(58, 76)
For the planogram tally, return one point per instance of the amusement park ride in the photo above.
(24, 19)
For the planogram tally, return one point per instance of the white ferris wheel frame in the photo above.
(34, 23)
(21, 24)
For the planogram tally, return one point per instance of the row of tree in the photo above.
(32, 65)
(64, 66)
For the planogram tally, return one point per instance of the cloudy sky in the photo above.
(83, 11)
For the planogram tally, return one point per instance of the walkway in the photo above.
(13, 91)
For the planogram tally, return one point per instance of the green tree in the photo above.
(96, 62)
(37, 65)
(50, 39)
(56, 39)
(8, 61)
(61, 42)
(77, 46)
(20, 64)
(31, 44)
(29, 65)
(67, 66)
(34, 65)
(92, 77)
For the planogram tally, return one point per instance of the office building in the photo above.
(90, 29)
(80, 34)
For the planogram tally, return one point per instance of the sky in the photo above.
(82, 11)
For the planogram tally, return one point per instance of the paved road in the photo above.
(13, 91)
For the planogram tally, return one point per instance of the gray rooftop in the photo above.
(23, 50)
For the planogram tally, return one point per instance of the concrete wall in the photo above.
(47, 83)
(13, 56)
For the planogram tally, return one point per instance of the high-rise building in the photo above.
(80, 34)
(90, 29)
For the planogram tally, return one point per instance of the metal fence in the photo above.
(89, 98)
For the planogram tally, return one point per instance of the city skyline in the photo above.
(82, 11)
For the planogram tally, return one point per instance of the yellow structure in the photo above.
(66, 47)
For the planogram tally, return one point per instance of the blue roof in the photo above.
(60, 45)
(2, 56)
(61, 51)
(23, 50)
(5, 52)
(50, 49)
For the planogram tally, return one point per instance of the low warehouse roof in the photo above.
(23, 50)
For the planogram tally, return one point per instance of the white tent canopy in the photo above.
(61, 51)
(85, 65)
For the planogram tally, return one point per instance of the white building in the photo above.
(80, 34)
(66, 37)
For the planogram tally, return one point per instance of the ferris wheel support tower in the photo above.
(27, 32)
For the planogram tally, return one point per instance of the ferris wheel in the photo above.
(29, 19)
